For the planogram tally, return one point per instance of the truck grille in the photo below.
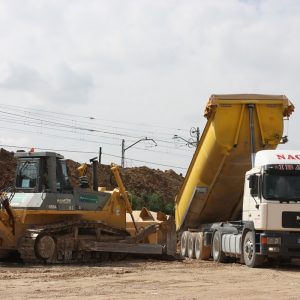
(290, 219)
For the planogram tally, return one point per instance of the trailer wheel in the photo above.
(191, 245)
(251, 259)
(201, 251)
(183, 243)
(217, 253)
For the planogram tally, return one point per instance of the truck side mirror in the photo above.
(253, 185)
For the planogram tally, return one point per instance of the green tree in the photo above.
(151, 201)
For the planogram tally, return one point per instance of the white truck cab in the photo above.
(271, 202)
(272, 191)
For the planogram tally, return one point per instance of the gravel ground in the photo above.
(150, 279)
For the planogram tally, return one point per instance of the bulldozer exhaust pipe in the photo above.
(95, 173)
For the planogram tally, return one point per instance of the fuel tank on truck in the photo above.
(213, 187)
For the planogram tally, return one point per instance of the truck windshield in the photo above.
(27, 174)
(282, 186)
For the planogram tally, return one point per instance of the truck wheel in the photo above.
(217, 253)
(251, 259)
(201, 251)
(183, 243)
(191, 245)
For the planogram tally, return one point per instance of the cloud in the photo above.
(22, 77)
(64, 85)
(154, 62)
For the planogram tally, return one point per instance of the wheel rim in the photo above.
(249, 249)
(216, 246)
(191, 246)
(197, 248)
(183, 244)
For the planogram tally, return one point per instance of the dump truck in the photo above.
(43, 219)
(241, 197)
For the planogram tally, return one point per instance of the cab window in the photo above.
(27, 174)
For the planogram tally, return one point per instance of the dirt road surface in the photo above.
(149, 279)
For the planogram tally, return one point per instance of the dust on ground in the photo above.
(150, 279)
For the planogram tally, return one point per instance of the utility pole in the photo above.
(124, 149)
(123, 154)
(194, 132)
(100, 154)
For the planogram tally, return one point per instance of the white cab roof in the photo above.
(274, 157)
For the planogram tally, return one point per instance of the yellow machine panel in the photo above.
(213, 186)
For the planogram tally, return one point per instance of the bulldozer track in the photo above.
(66, 248)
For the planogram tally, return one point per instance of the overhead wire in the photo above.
(144, 132)
(39, 123)
(92, 152)
(30, 120)
(78, 127)
(83, 137)
(92, 141)
(93, 118)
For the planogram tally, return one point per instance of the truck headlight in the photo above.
(274, 249)
(274, 240)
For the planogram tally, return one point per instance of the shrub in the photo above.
(151, 201)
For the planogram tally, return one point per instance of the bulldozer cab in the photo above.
(41, 172)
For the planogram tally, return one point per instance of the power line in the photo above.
(92, 118)
(59, 136)
(51, 117)
(35, 124)
(66, 125)
(31, 123)
(91, 152)
(93, 141)
(59, 124)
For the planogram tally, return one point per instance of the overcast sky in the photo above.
(140, 68)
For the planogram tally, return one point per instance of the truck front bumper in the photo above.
(280, 244)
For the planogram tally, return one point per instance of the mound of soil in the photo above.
(137, 180)
(8, 168)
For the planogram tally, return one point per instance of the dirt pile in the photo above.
(137, 180)
(7, 167)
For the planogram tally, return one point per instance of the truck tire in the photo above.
(183, 243)
(201, 252)
(191, 245)
(251, 259)
(217, 254)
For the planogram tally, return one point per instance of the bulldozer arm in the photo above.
(5, 204)
(155, 228)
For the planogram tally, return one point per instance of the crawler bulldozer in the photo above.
(44, 219)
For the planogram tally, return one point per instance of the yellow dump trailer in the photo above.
(213, 186)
